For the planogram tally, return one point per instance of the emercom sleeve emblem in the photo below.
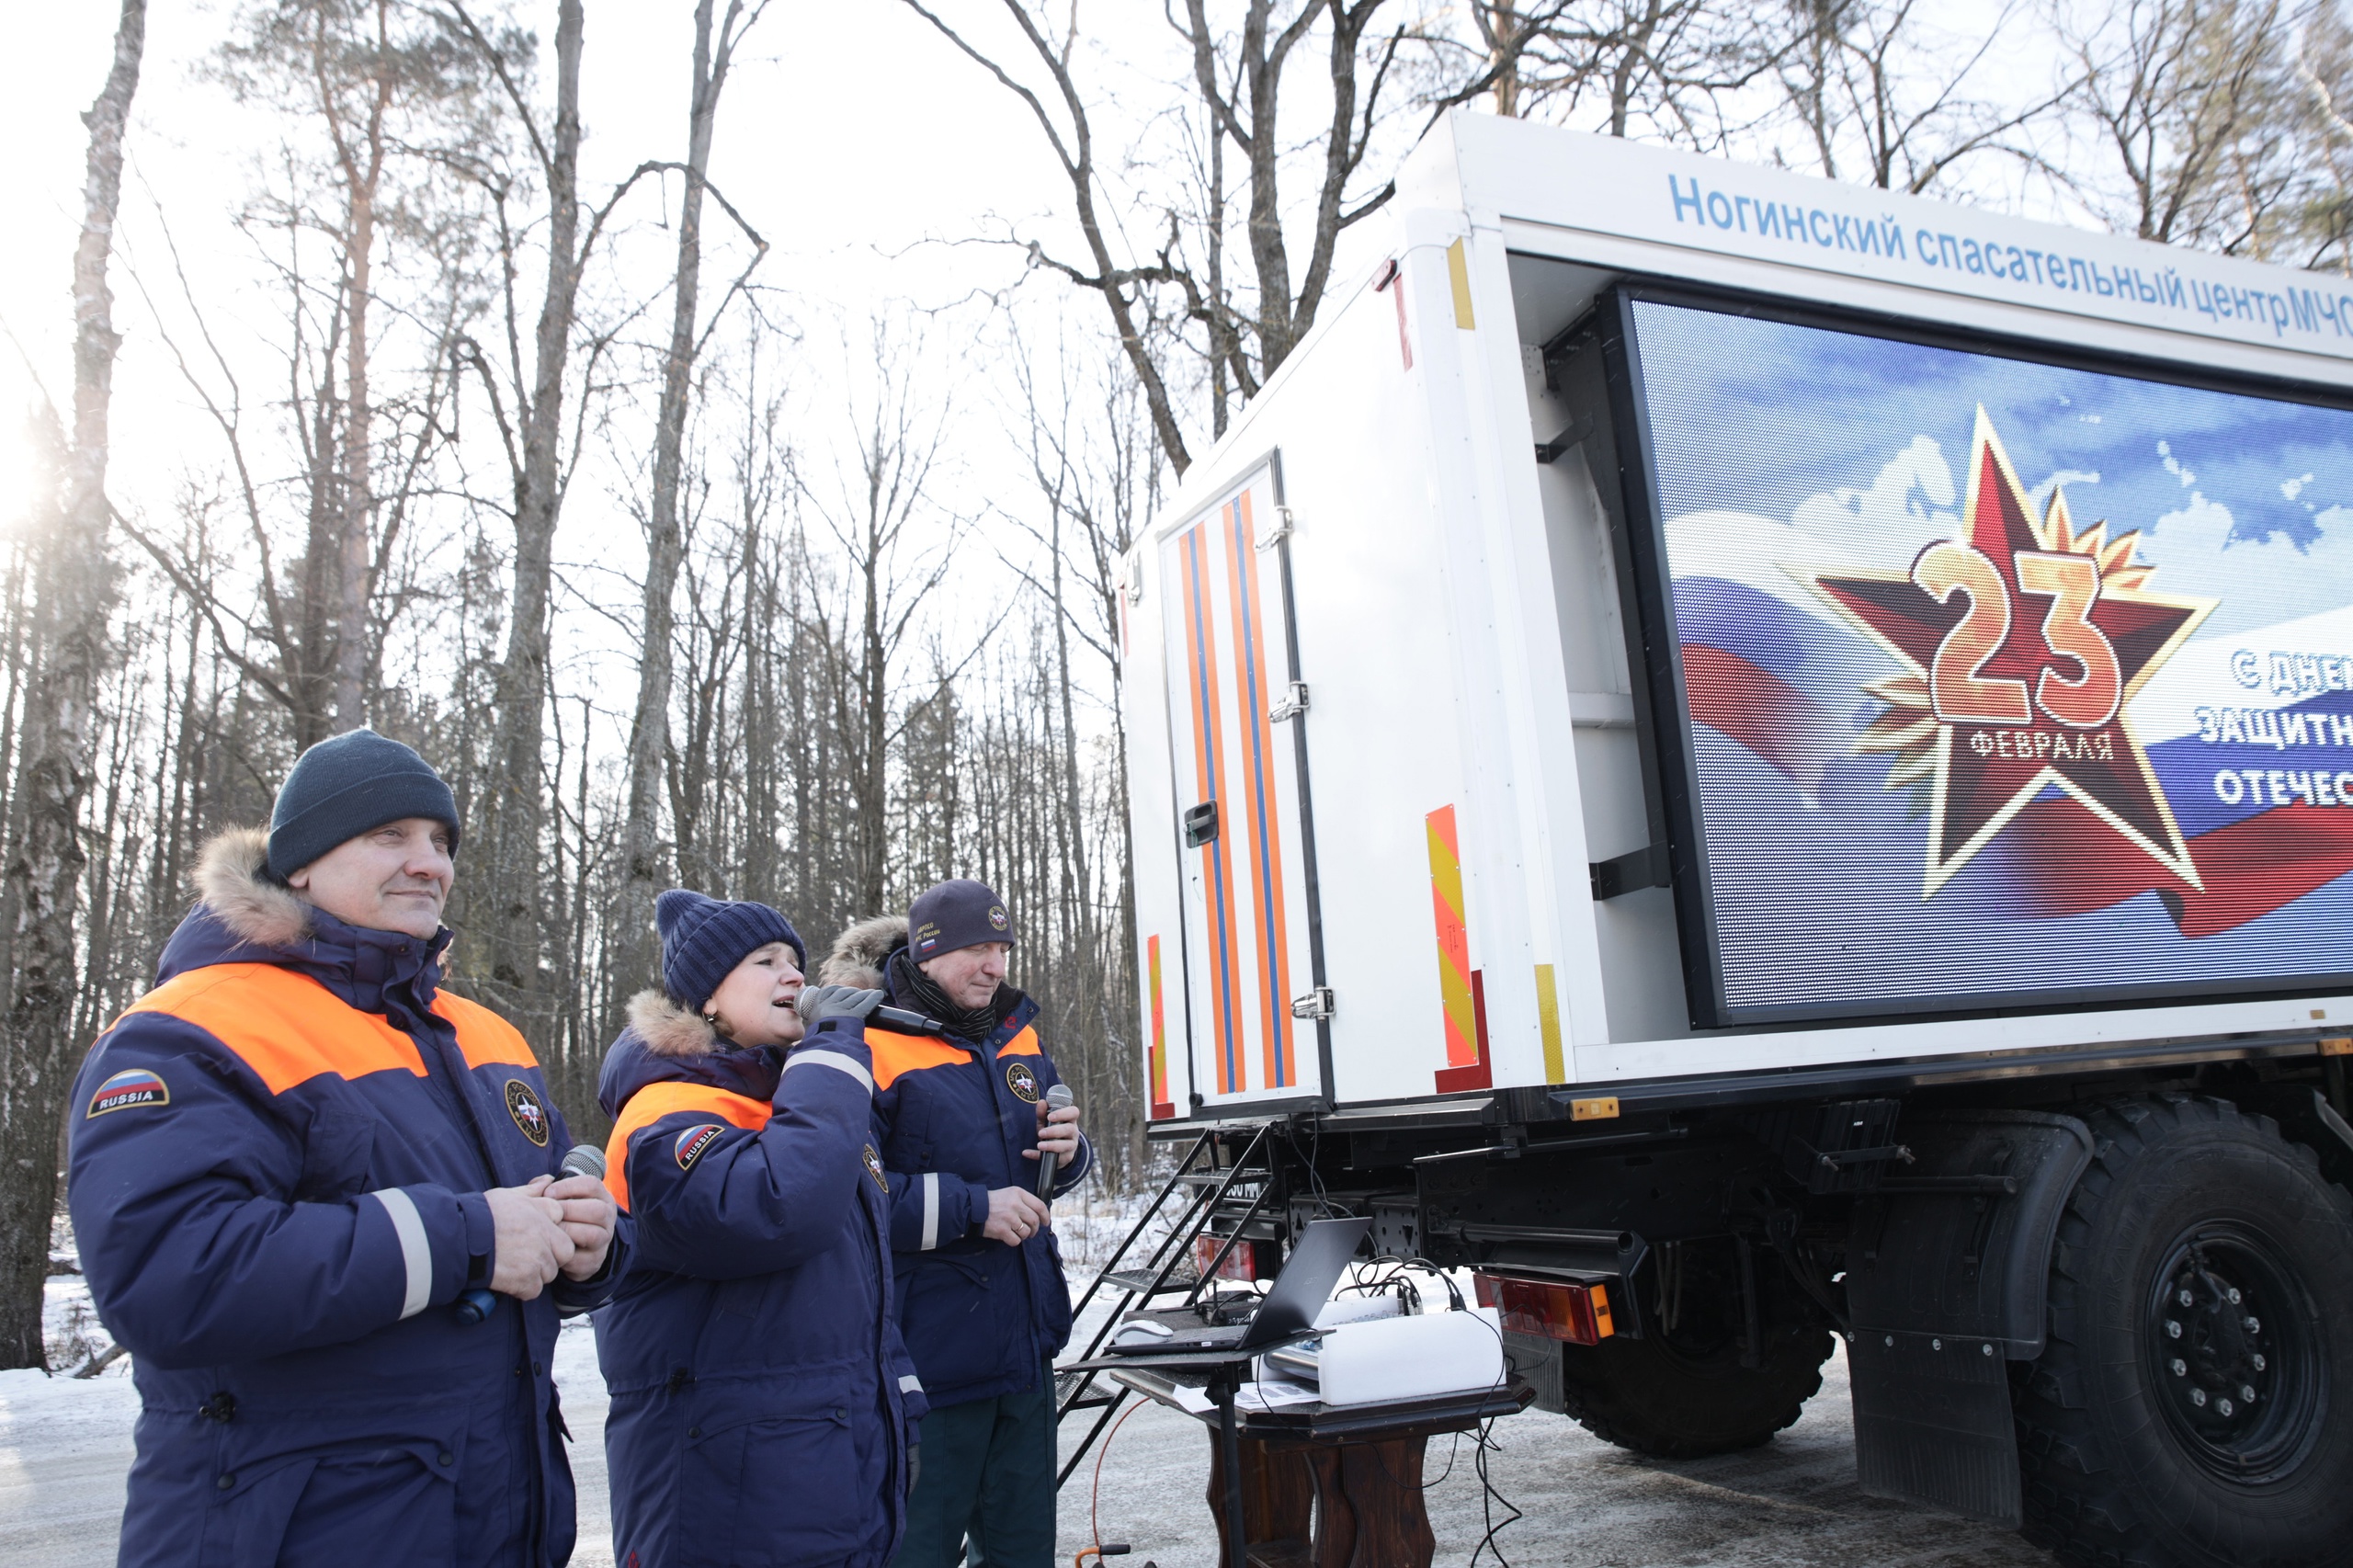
(694, 1141)
(874, 1169)
(133, 1087)
(1022, 1079)
(529, 1114)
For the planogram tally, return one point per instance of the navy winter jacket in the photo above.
(762, 1403)
(980, 1317)
(278, 1157)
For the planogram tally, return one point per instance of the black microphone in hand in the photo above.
(477, 1302)
(905, 1022)
(1059, 1097)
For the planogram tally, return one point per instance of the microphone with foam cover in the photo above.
(1059, 1097)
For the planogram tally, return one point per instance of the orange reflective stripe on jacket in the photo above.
(487, 1039)
(654, 1101)
(895, 1053)
(289, 1030)
(1023, 1044)
(287, 1026)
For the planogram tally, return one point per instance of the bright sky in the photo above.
(851, 134)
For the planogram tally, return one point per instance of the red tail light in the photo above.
(1242, 1263)
(1577, 1313)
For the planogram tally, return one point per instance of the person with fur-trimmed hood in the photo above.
(317, 1199)
(981, 1300)
(763, 1408)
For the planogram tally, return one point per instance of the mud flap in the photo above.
(1947, 1270)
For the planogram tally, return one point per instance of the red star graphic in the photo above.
(2032, 691)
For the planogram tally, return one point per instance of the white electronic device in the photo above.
(1395, 1358)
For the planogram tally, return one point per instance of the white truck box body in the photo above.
(1373, 527)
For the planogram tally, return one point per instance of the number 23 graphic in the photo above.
(1957, 686)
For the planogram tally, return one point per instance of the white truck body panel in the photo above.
(1458, 617)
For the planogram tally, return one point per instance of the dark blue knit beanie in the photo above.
(344, 786)
(957, 913)
(704, 939)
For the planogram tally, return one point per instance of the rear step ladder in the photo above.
(1168, 1270)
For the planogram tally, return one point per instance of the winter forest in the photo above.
(522, 426)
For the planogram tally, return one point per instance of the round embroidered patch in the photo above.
(996, 916)
(1022, 1080)
(529, 1114)
(694, 1141)
(874, 1169)
(135, 1086)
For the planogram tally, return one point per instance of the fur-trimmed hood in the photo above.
(669, 1029)
(667, 1044)
(861, 952)
(230, 879)
(242, 916)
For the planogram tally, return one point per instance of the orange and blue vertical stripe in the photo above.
(1217, 872)
(1270, 929)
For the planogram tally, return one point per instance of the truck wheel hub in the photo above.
(2231, 1360)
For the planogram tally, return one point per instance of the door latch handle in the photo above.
(1201, 824)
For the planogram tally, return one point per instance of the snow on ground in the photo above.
(1792, 1504)
(65, 1448)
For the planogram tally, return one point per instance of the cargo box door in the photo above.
(1251, 1014)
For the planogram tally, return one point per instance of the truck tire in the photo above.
(2202, 1256)
(1675, 1402)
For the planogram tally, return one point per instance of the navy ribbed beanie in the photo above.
(346, 785)
(704, 939)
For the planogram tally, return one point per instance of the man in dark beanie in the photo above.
(983, 1304)
(320, 1201)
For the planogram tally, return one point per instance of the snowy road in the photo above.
(64, 1447)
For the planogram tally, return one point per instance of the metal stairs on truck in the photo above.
(1233, 1187)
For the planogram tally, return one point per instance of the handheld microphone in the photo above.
(1059, 1097)
(582, 1159)
(905, 1022)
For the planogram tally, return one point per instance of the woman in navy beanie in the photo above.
(763, 1408)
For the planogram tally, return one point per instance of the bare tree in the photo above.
(643, 865)
(1155, 296)
(1658, 68)
(513, 822)
(2196, 104)
(1882, 95)
(873, 514)
(74, 585)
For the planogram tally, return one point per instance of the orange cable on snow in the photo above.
(1095, 1494)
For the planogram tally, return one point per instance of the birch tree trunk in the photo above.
(75, 587)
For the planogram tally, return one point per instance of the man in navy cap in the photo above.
(981, 1298)
(319, 1199)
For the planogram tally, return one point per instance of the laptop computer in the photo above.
(1316, 1262)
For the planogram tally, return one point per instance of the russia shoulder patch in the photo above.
(694, 1141)
(128, 1089)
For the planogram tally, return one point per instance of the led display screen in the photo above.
(2001, 682)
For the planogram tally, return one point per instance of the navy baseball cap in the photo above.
(956, 913)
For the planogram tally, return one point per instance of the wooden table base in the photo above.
(1328, 1504)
